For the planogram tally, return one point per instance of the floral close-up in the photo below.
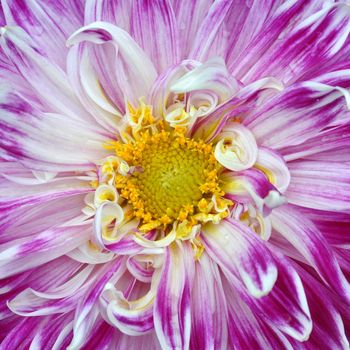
(174, 174)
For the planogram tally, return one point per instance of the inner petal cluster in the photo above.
(171, 178)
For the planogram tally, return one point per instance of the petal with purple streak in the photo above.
(305, 237)
(242, 255)
(172, 314)
(320, 185)
(154, 27)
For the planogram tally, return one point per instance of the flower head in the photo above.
(174, 174)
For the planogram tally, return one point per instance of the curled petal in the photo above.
(245, 100)
(88, 254)
(141, 267)
(275, 168)
(131, 317)
(211, 75)
(106, 214)
(136, 71)
(87, 311)
(251, 186)
(105, 193)
(87, 85)
(236, 148)
(159, 243)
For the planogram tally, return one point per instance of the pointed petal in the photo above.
(26, 138)
(25, 253)
(41, 73)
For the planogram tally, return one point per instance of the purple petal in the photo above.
(320, 185)
(154, 27)
(25, 253)
(172, 313)
(305, 237)
(297, 114)
(285, 307)
(208, 307)
(242, 255)
(49, 23)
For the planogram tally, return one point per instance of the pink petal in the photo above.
(189, 16)
(41, 74)
(208, 307)
(305, 237)
(208, 31)
(25, 138)
(154, 27)
(246, 329)
(285, 307)
(286, 51)
(134, 70)
(242, 255)
(328, 328)
(297, 114)
(172, 313)
(87, 309)
(49, 23)
(23, 254)
(115, 12)
(320, 185)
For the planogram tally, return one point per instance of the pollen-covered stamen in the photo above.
(176, 179)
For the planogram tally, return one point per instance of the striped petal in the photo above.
(297, 114)
(285, 307)
(251, 187)
(328, 327)
(208, 30)
(115, 12)
(41, 74)
(47, 22)
(25, 253)
(208, 307)
(154, 27)
(130, 317)
(320, 185)
(87, 309)
(305, 237)
(172, 314)
(247, 330)
(26, 136)
(242, 255)
(286, 51)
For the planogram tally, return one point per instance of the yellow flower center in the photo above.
(167, 179)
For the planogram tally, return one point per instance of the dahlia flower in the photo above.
(174, 174)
